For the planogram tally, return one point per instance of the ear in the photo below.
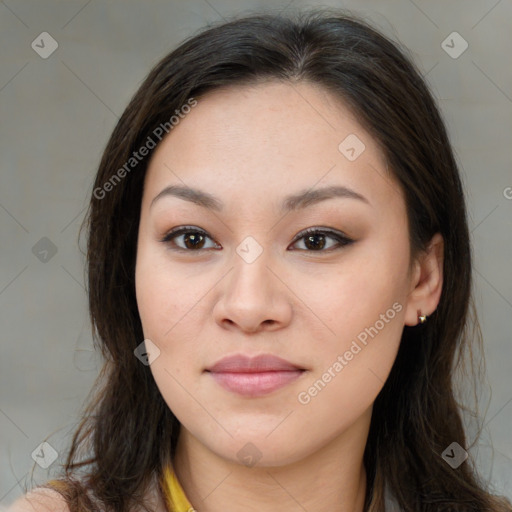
(426, 282)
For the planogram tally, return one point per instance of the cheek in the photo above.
(153, 298)
(167, 300)
(364, 309)
(163, 294)
(167, 318)
(366, 285)
(353, 368)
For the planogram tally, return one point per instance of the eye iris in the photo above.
(195, 237)
(315, 245)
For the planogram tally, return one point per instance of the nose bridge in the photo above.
(252, 295)
(251, 263)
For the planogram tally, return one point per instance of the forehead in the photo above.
(263, 139)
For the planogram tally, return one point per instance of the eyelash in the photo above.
(342, 240)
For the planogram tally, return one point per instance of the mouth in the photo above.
(254, 376)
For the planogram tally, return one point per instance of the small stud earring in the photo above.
(421, 318)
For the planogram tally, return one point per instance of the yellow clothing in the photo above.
(175, 499)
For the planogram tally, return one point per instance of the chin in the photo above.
(258, 449)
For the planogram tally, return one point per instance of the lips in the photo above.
(245, 364)
(254, 376)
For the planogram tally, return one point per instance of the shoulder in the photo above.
(40, 500)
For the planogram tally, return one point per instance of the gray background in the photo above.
(57, 114)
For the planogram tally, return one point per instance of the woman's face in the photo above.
(243, 280)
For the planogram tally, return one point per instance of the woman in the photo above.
(279, 280)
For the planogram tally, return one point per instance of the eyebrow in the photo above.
(297, 201)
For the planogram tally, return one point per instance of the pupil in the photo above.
(195, 240)
(311, 238)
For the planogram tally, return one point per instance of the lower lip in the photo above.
(255, 384)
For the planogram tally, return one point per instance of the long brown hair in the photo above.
(128, 434)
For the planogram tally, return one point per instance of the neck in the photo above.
(331, 479)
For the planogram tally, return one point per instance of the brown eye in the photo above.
(192, 239)
(315, 240)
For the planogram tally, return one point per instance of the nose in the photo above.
(253, 297)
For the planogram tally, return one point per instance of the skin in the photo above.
(250, 146)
